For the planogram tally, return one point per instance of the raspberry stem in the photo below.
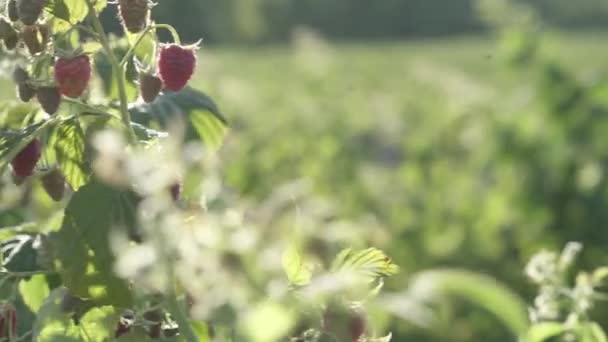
(141, 36)
(116, 68)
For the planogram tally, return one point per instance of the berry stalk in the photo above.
(116, 68)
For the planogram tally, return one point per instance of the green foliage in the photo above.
(68, 143)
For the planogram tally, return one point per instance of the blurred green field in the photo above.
(458, 156)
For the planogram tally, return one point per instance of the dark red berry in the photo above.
(25, 161)
(30, 10)
(11, 10)
(176, 191)
(9, 35)
(149, 86)
(8, 322)
(176, 65)
(54, 184)
(32, 39)
(155, 319)
(134, 14)
(49, 98)
(25, 91)
(73, 75)
(345, 323)
(124, 324)
(20, 75)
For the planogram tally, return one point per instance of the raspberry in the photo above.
(25, 161)
(30, 10)
(54, 184)
(25, 91)
(149, 86)
(176, 191)
(11, 10)
(124, 323)
(134, 14)
(73, 75)
(32, 39)
(20, 75)
(8, 34)
(49, 98)
(176, 65)
(155, 317)
(8, 322)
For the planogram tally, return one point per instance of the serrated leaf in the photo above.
(68, 143)
(543, 331)
(19, 254)
(298, 271)
(189, 106)
(82, 245)
(145, 51)
(34, 291)
(370, 262)
(479, 289)
(67, 13)
(53, 325)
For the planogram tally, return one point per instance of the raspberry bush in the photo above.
(115, 225)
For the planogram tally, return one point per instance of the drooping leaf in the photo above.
(52, 324)
(68, 143)
(19, 254)
(34, 291)
(370, 262)
(82, 245)
(479, 289)
(191, 107)
(298, 271)
(544, 331)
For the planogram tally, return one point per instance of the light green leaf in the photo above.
(188, 106)
(68, 142)
(82, 245)
(370, 262)
(479, 289)
(260, 316)
(201, 329)
(34, 291)
(544, 331)
(69, 12)
(145, 51)
(599, 275)
(298, 271)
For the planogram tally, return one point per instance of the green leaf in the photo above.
(256, 323)
(82, 245)
(201, 329)
(145, 51)
(34, 291)
(544, 331)
(68, 143)
(19, 254)
(479, 289)
(592, 332)
(192, 107)
(298, 271)
(53, 325)
(70, 12)
(370, 262)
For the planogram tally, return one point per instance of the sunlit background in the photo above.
(461, 133)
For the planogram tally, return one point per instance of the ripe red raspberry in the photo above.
(134, 14)
(176, 65)
(30, 10)
(149, 87)
(24, 163)
(73, 75)
(54, 184)
(49, 98)
(8, 322)
(11, 10)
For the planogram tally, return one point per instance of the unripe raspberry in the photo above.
(11, 10)
(54, 184)
(32, 39)
(134, 14)
(149, 87)
(30, 10)
(24, 163)
(49, 98)
(176, 65)
(73, 75)
(20, 75)
(8, 34)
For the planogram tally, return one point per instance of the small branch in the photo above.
(118, 71)
(141, 36)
